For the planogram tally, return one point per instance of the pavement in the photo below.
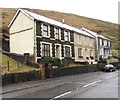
(26, 85)
(74, 86)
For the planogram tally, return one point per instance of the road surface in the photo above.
(88, 85)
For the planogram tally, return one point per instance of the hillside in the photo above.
(109, 30)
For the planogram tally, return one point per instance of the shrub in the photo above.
(102, 60)
(54, 61)
(87, 58)
(109, 57)
(80, 56)
(3, 22)
(45, 60)
(91, 57)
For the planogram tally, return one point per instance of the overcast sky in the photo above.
(106, 10)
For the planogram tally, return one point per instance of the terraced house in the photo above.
(103, 47)
(43, 37)
(84, 48)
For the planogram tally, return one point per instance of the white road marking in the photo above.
(61, 95)
(91, 83)
(110, 77)
(86, 85)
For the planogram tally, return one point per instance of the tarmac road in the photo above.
(88, 85)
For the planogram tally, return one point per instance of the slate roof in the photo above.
(94, 33)
(34, 16)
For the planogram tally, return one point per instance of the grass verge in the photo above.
(13, 66)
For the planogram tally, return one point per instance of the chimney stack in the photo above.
(63, 21)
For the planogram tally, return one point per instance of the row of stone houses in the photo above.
(44, 37)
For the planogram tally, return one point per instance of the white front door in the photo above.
(58, 51)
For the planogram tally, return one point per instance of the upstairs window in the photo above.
(90, 42)
(45, 50)
(105, 42)
(79, 39)
(109, 45)
(45, 30)
(67, 51)
(66, 35)
(57, 33)
(100, 40)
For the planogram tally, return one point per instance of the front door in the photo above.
(57, 51)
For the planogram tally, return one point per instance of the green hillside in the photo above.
(107, 29)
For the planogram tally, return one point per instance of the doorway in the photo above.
(57, 51)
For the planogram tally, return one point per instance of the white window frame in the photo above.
(59, 32)
(50, 48)
(79, 52)
(108, 43)
(42, 25)
(70, 50)
(79, 39)
(105, 42)
(68, 35)
(91, 52)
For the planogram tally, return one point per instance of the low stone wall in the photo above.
(58, 72)
(20, 77)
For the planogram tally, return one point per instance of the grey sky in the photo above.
(106, 10)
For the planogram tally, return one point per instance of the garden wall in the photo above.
(74, 70)
(20, 77)
(58, 72)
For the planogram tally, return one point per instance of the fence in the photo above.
(21, 59)
(17, 57)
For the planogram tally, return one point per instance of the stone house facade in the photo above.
(103, 45)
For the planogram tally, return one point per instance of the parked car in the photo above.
(109, 68)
